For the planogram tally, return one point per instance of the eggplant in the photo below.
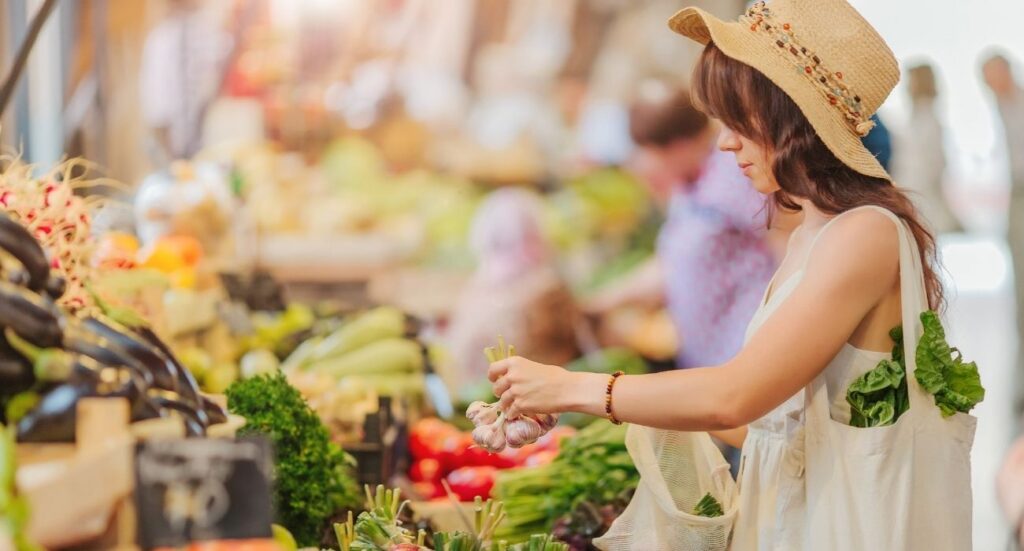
(195, 420)
(164, 371)
(33, 317)
(188, 388)
(107, 355)
(16, 374)
(53, 419)
(16, 240)
(56, 286)
(214, 411)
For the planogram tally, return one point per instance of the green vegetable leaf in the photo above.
(956, 384)
(708, 506)
(878, 397)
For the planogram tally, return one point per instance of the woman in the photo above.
(794, 82)
(515, 291)
(921, 157)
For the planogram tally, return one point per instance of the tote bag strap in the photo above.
(914, 299)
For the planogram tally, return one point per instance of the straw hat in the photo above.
(822, 53)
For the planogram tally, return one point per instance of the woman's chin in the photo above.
(763, 187)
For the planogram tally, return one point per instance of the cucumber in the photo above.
(392, 355)
(380, 323)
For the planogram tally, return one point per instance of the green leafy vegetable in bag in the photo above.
(878, 397)
(941, 371)
(708, 507)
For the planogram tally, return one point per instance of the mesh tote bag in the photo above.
(677, 469)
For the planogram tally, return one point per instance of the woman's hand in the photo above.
(527, 387)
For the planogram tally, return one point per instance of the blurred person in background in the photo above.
(1010, 491)
(921, 159)
(515, 291)
(713, 258)
(181, 72)
(1009, 98)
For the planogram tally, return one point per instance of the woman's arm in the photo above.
(851, 269)
(733, 437)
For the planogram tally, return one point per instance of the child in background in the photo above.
(515, 291)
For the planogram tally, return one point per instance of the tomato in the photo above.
(425, 470)
(453, 450)
(470, 482)
(425, 437)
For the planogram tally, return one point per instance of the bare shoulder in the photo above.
(859, 248)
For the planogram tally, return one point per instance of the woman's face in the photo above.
(751, 157)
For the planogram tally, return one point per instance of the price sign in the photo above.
(202, 489)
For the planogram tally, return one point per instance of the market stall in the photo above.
(256, 305)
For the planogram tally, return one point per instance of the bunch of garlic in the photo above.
(494, 430)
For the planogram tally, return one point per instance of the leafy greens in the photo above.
(878, 397)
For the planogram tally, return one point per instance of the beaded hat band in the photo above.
(822, 54)
(809, 64)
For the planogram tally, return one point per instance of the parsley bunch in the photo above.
(313, 477)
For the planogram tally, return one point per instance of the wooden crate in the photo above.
(80, 495)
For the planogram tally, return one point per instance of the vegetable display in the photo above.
(379, 529)
(441, 452)
(368, 350)
(593, 466)
(55, 357)
(879, 397)
(13, 509)
(312, 477)
(588, 521)
(54, 214)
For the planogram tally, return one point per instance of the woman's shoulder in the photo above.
(862, 244)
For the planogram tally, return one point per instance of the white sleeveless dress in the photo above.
(771, 478)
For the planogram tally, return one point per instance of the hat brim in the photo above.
(757, 50)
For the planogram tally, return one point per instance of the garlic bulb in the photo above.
(480, 413)
(547, 421)
(522, 431)
(490, 437)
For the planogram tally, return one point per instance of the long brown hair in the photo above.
(752, 105)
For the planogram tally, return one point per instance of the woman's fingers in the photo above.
(505, 403)
(501, 386)
(498, 369)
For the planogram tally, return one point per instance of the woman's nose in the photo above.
(728, 141)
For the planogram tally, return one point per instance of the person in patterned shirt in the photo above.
(715, 253)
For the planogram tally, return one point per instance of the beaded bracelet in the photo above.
(608, 398)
